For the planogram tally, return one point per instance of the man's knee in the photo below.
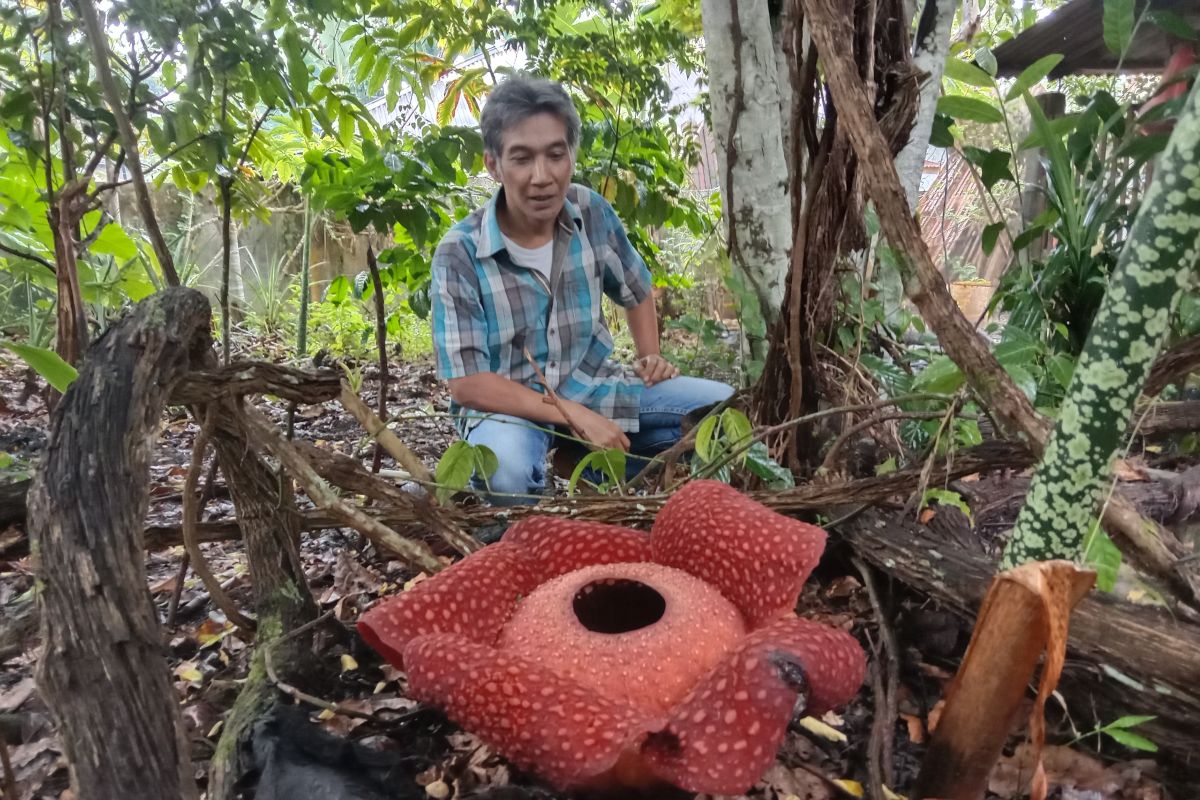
(520, 453)
(516, 475)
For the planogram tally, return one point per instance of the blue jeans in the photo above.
(521, 445)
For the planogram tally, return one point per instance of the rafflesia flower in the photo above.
(600, 656)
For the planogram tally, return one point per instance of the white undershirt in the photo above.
(535, 258)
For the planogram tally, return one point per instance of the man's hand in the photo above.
(596, 428)
(654, 369)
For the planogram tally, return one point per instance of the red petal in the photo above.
(757, 558)
(475, 597)
(724, 735)
(531, 715)
(565, 545)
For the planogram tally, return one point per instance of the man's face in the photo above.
(534, 166)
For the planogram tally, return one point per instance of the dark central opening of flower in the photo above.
(618, 605)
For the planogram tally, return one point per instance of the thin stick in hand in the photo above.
(553, 398)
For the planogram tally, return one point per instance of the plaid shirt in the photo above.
(487, 309)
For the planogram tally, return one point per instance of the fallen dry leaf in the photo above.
(787, 782)
(1073, 770)
(916, 728)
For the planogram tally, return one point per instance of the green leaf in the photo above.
(945, 497)
(1101, 554)
(940, 376)
(941, 135)
(966, 72)
(986, 59)
(704, 438)
(736, 429)
(1131, 721)
(114, 241)
(969, 108)
(454, 470)
(1061, 367)
(1057, 127)
(1032, 75)
(486, 462)
(1173, 24)
(47, 363)
(1133, 741)
(990, 234)
(340, 290)
(994, 168)
(760, 463)
(1028, 237)
(1118, 25)
(609, 463)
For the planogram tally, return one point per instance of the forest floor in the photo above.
(410, 752)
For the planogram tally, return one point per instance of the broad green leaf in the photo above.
(1061, 367)
(1173, 24)
(1032, 75)
(340, 290)
(1101, 554)
(47, 363)
(1059, 127)
(454, 470)
(486, 462)
(966, 72)
(990, 234)
(736, 428)
(941, 135)
(986, 59)
(1028, 237)
(969, 108)
(941, 376)
(1133, 741)
(760, 463)
(704, 438)
(1023, 378)
(114, 241)
(609, 463)
(1119, 21)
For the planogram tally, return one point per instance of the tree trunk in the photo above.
(72, 333)
(102, 672)
(827, 212)
(931, 48)
(743, 77)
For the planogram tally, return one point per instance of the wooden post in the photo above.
(1033, 177)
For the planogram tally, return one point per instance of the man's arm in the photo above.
(650, 366)
(495, 394)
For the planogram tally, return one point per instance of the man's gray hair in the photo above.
(519, 97)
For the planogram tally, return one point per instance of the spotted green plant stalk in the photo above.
(1158, 261)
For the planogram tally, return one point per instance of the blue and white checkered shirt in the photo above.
(487, 309)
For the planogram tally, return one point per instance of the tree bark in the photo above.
(103, 672)
(930, 50)
(743, 77)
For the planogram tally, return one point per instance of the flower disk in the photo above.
(662, 630)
